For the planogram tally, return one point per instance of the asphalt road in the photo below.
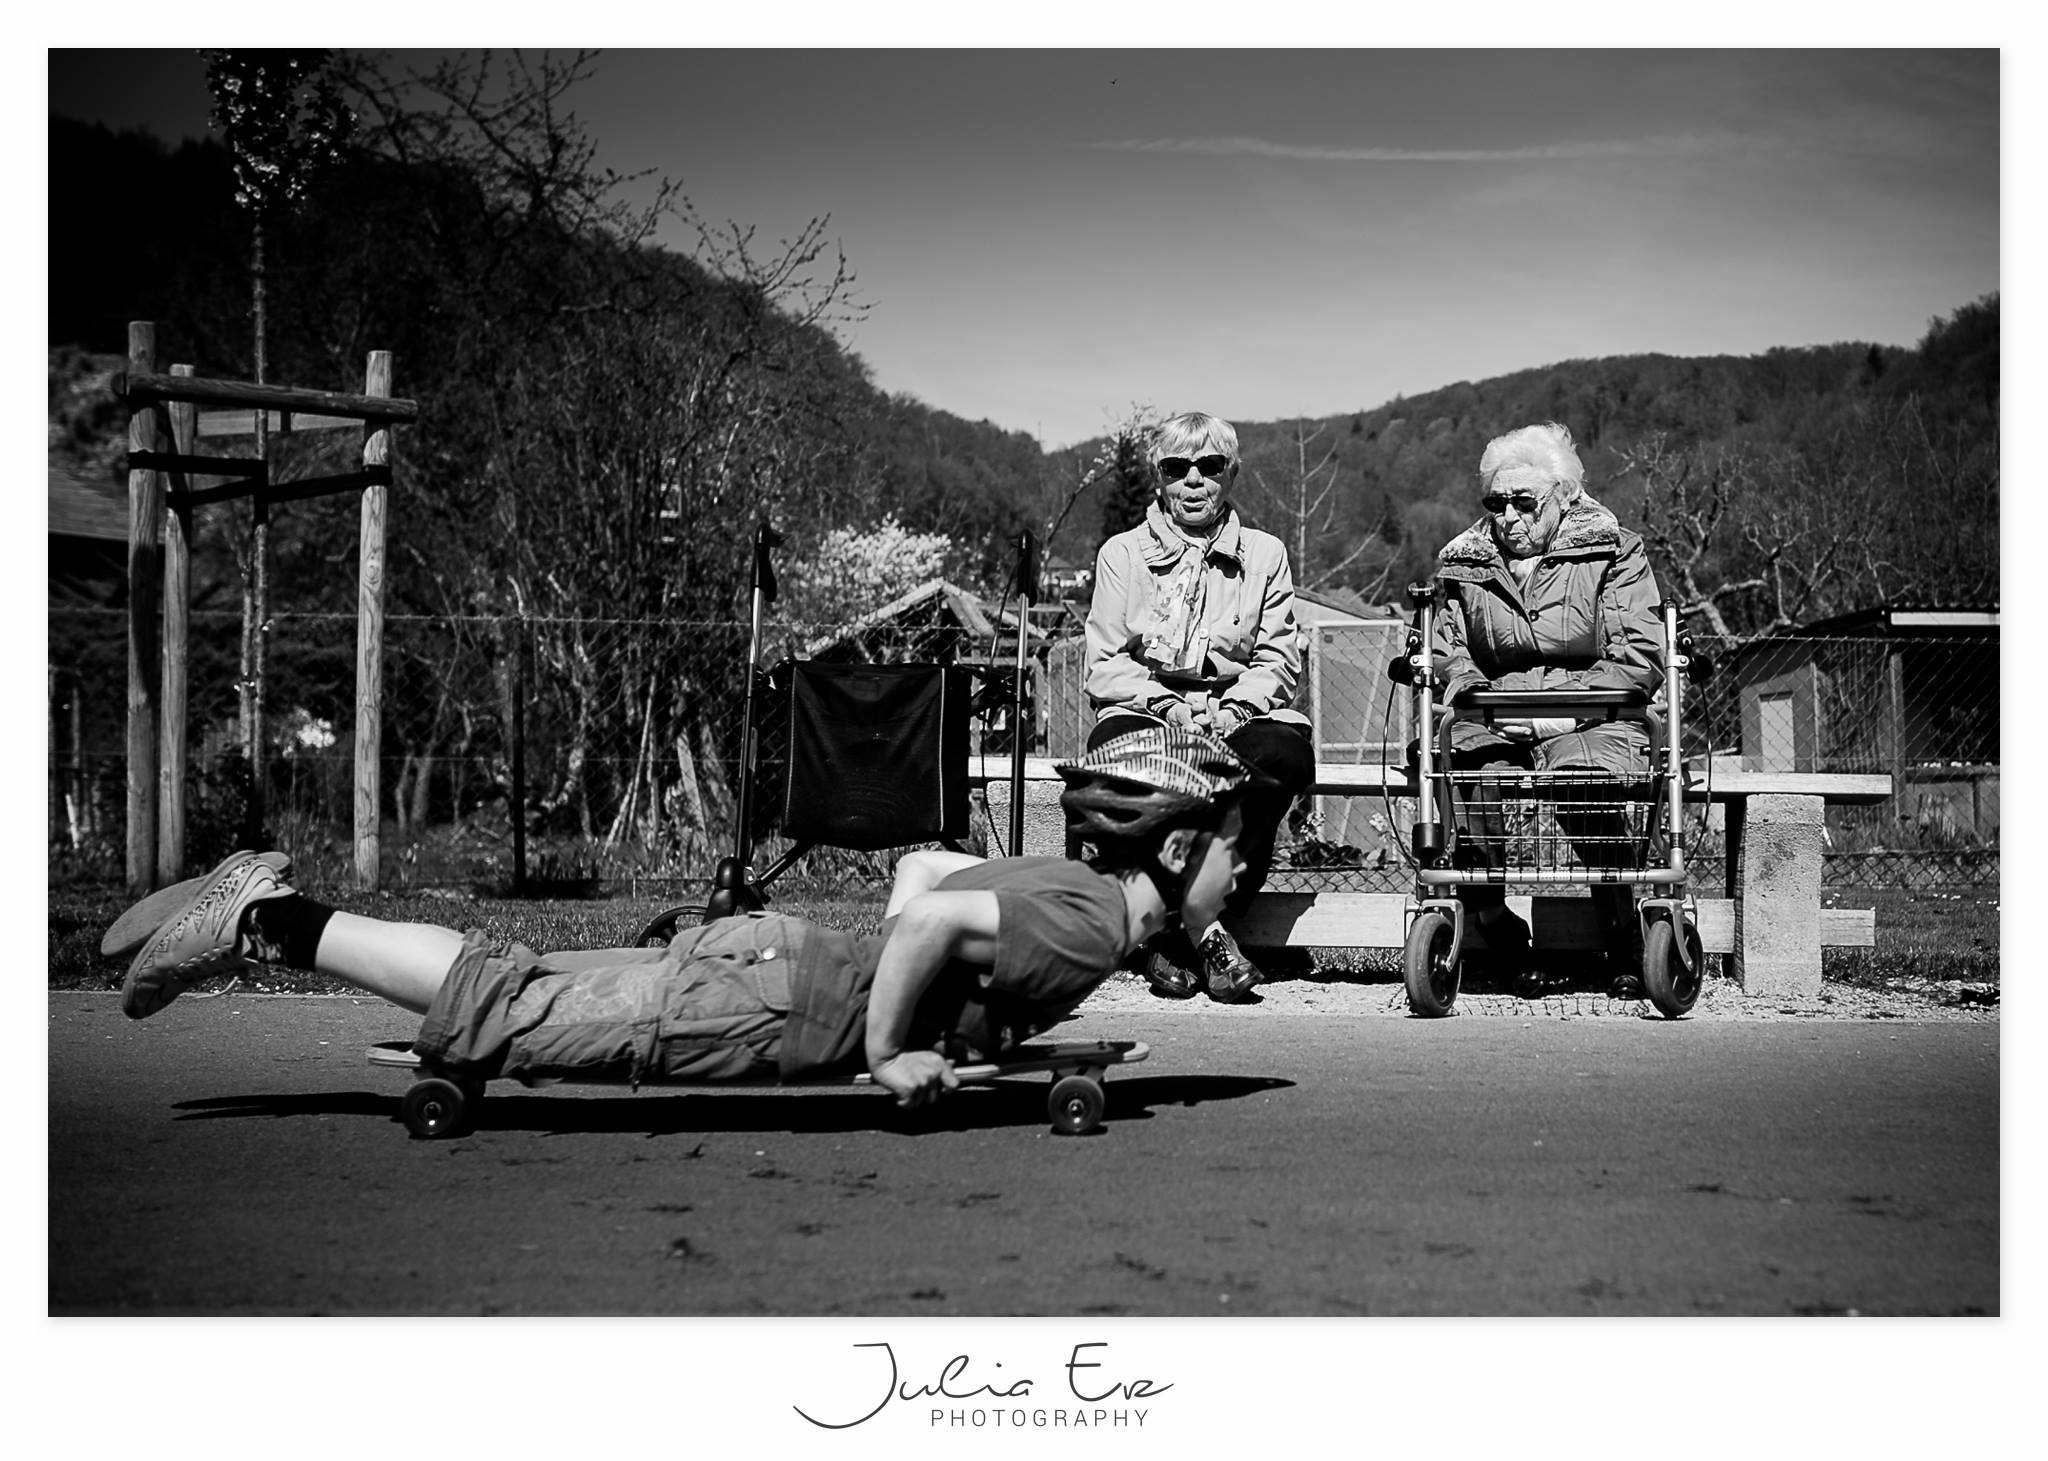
(237, 1156)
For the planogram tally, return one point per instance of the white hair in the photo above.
(1546, 448)
(1189, 433)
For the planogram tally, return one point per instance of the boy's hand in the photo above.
(916, 1076)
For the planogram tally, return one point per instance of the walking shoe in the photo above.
(132, 929)
(202, 939)
(1228, 973)
(1169, 966)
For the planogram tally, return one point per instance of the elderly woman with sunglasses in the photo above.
(1192, 623)
(1546, 591)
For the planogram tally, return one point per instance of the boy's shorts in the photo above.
(709, 1007)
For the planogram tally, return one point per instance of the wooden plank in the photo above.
(1723, 782)
(1331, 777)
(1848, 928)
(281, 423)
(1336, 779)
(1378, 920)
(141, 387)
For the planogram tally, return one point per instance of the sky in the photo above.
(1046, 238)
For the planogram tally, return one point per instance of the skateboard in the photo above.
(439, 1105)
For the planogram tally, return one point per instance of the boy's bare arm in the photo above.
(933, 930)
(920, 872)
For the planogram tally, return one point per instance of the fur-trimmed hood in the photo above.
(1587, 528)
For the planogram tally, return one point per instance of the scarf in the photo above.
(1179, 638)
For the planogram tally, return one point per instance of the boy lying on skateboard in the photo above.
(974, 956)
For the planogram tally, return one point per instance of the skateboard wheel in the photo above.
(435, 1109)
(1075, 1105)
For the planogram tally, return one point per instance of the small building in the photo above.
(942, 623)
(1912, 693)
(935, 623)
(88, 539)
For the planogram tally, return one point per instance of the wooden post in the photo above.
(370, 633)
(173, 758)
(145, 513)
(256, 812)
(518, 808)
(80, 813)
(1895, 707)
(57, 818)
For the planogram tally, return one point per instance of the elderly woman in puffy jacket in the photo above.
(1546, 591)
(1192, 623)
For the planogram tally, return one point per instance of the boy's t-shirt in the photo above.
(1061, 927)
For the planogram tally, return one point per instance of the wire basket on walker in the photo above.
(1547, 829)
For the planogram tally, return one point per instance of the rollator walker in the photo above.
(1548, 829)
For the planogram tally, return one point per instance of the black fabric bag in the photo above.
(877, 754)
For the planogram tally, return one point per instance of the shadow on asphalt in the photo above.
(653, 1112)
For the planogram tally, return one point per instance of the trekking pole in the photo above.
(1027, 591)
(729, 891)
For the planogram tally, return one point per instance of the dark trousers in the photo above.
(1594, 829)
(1284, 757)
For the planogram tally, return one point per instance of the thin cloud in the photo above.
(1599, 150)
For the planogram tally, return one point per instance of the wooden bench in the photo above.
(1768, 918)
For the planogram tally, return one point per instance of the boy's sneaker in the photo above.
(1230, 976)
(1170, 964)
(132, 929)
(201, 939)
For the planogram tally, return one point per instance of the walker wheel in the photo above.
(1672, 987)
(1075, 1105)
(436, 1109)
(1426, 966)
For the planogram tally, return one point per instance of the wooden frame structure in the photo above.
(161, 496)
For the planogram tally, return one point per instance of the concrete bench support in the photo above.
(1777, 895)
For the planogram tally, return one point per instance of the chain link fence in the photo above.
(623, 740)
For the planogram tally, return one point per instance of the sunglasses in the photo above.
(1497, 504)
(1172, 469)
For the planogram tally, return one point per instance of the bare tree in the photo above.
(284, 121)
(1884, 510)
(1300, 502)
(619, 417)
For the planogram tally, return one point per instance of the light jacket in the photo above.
(1588, 617)
(1253, 643)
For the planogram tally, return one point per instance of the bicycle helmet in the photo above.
(1150, 780)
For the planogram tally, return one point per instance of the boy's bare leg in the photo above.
(402, 962)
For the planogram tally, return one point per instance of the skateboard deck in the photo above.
(438, 1106)
(1060, 1058)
